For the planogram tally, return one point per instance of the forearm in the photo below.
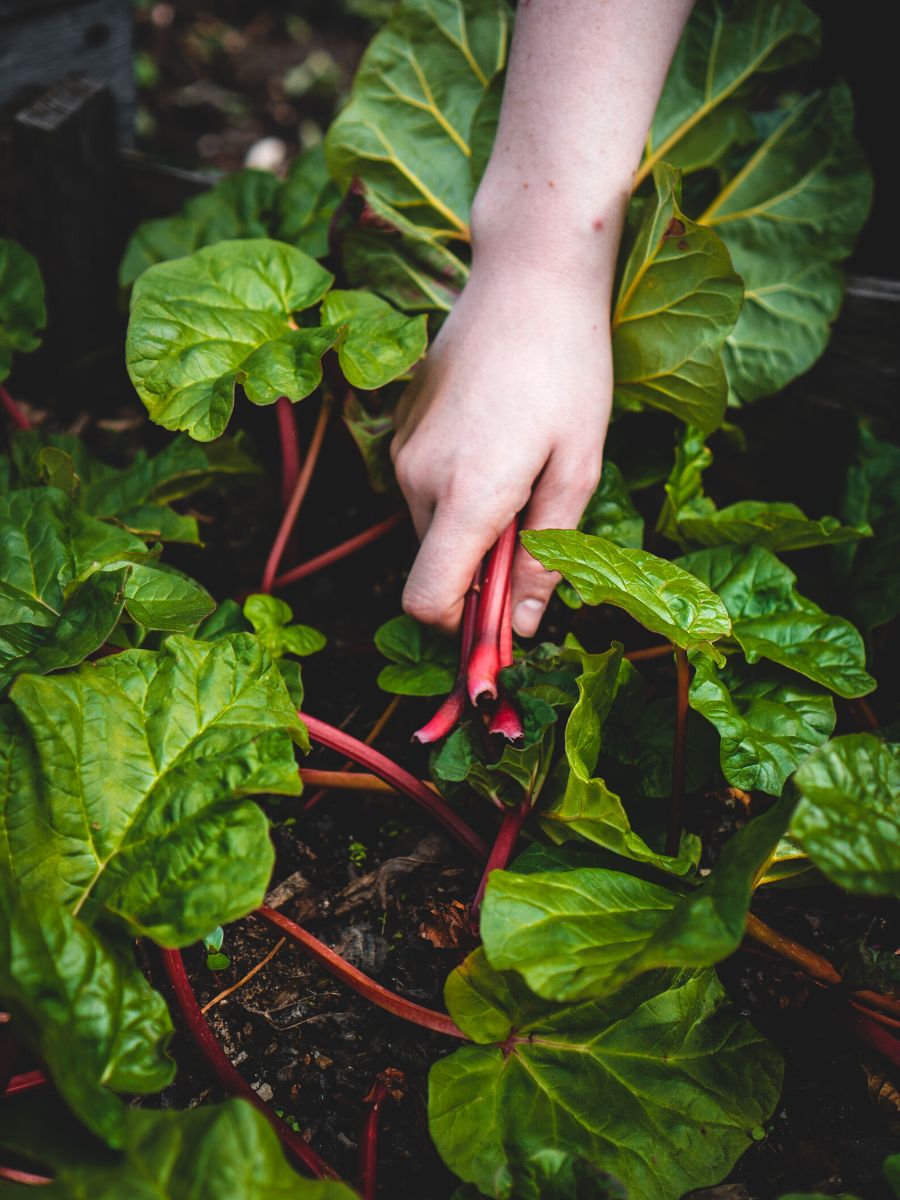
(582, 85)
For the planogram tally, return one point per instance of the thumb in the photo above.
(558, 501)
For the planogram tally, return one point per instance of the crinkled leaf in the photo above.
(663, 1084)
(407, 127)
(848, 817)
(699, 114)
(580, 805)
(22, 311)
(660, 595)
(271, 619)
(35, 641)
(160, 597)
(777, 526)
(87, 1012)
(767, 721)
(306, 203)
(239, 206)
(218, 1151)
(582, 933)
(550, 1174)
(377, 343)
(224, 316)
(132, 804)
(685, 483)
(678, 300)
(772, 620)
(611, 514)
(422, 662)
(788, 214)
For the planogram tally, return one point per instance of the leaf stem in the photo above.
(227, 1075)
(26, 1082)
(347, 974)
(484, 660)
(13, 412)
(501, 852)
(290, 447)
(647, 652)
(371, 736)
(292, 510)
(506, 720)
(342, 550)
(347, 781)
(873, 1035)
(368, 1142)
(380, 765)
(454, 704)
(676, 813)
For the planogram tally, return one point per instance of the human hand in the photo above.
(507, 413)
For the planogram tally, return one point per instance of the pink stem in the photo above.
(227, 1075)
(501, 852)
(15, 415)
(14, 1175)
(484, 661)
(380, 765)
(380, 996)
(26, 1082)
(368, 1142)
(290, 447)
(293, 508)
(879, 1039)
(453, 707)
(336, 553)
(506, 721)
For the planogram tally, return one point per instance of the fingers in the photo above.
(559, 499)
(453, 546)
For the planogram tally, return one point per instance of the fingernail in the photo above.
(527, 617)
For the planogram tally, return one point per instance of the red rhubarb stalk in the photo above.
(453, 707)
(501, 852)
(292, 510)
(227, 1075)
(879, 1039)
(26, 1082)
(368, 1142)
(506, 721)
(14, 414)
(14, 1175)
(342, 550)
(676, 814)
(484, 661)
(380, 996)
(380, 765)
(290, 447)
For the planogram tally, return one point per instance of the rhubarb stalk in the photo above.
(453, 707)
(15, 415)
(368, 1142)
(484, 661)
(290, 447)
(342, 550)
(347, 974)
(676, 816)
(506, 721)
(501, 852)
(380, 765)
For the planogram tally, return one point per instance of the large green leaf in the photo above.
(241, 205)
(132, 805)
(579, 804)
(22, 311)
(777, 526)
(770, 619)
(201, 325)
(422, 662)
(788, 215)
(663, 1084)
(377, 343)
(611, 514)
(678, 300)
(306, 203)
(86, 1011)
(660, 595)
(580, 934)
(217, 1152)
(406, 130)
(848, 817)
(768, 722)
(700, 113)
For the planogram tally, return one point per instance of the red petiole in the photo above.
(368, 1142)
(484, 660)
(14, 414)
(290, 447)
(501, 852)
(454, 706)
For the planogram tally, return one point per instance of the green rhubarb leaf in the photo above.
(306, 203)
(86, 1011)
(700, 113)
(678, 300)
(777, 526)
(772, 620)
(422, 661)
(848, 817)
(271, 621)
(550, 1174)
(132, 806)
(611, 514)
(685, 483)
(580, 805)
(23, 313)
(218, 1151)
(159, 597)
(663, 1084)
(240, 206)
(768, 722)
(407, 128)
(873, 494)
(788, 215)
(377, 343)
(663, 597)
(373, 434)
(582, 933)
(642, 739)
(224, 316)
(35, 641)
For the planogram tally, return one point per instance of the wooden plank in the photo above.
(43, 40)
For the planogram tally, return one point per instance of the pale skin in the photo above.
(508, 412)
